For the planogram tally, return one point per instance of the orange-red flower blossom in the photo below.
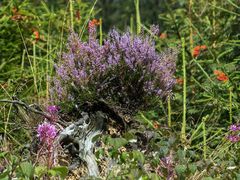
(36, 35)
(179, 81)
(93, 23)
(221, 76)
(196, 50)
(163, 36)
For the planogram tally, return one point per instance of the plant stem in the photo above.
(23, 61)
(35, 71)
(6, 123)
(138, 18)
(169, 112)
(101, 33)
(183, 130)
(86, 21)
(214, 23)
(71, 13)
(190, 24)
(204, 138)
(230, 105)
(204, 72)
(47, 63)
(131, 25)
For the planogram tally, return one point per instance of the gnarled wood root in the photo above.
(78, 138)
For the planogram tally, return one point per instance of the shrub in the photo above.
(126, 70)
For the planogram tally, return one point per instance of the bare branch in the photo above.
(27, 107)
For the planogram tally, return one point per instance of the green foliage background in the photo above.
(211, 105)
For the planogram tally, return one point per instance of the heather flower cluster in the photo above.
(234, 129)
(154, 29)
(53, 109)
(46, 133)
(53, 112)
(125, 69)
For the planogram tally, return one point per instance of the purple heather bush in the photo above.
(126, 70)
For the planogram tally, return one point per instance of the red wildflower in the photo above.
(36, 35)
(163, 36)
(221, 76)
(179, 81)
(93, 23)
(196, 50)
(217, 72)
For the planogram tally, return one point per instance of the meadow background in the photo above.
(196, 129)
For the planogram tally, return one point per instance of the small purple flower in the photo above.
(53, 109)
(46, 133)
(154, 29)
(234, 127)
(233, 138)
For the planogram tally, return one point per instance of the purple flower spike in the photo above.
(53, 109)
(46, 133)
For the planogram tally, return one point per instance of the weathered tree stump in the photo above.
(79, 138)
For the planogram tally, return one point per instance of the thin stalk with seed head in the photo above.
(183, 130)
